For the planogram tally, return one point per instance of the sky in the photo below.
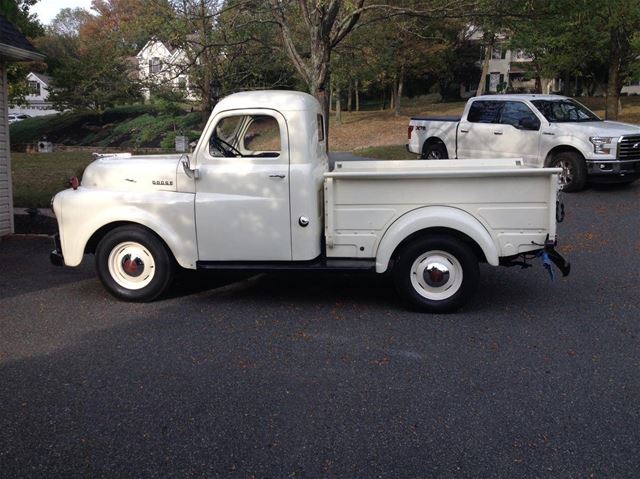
(47, 9)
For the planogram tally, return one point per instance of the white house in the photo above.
(507, 68)
(13, 47)
(162, 65)
(37, 100)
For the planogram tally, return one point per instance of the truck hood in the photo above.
(133, 173)
(603, 128)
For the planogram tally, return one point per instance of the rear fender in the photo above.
(434, 217)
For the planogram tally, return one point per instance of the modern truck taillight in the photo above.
(409, 131)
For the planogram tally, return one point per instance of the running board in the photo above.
(321, 264)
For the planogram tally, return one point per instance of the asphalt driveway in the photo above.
(328, 375)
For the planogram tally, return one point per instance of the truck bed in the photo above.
(437, 118)
(515, 204)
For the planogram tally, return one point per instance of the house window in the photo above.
(494, 81)
(521, 56)
(182, 83)
(496, 53)
(155, 65)
(34, 88)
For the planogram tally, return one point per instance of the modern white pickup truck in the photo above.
(257, 194)
(543, 130)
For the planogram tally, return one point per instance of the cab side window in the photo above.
(246, 136)
(519, 115)
(262, 137)
(484, 111)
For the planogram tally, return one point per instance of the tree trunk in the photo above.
(485, 64)
(384, 99)
(357, 97)
(538, 85)
(400, 87)
(392, 97)
(614, 84)
(350, 97)
(324, 30)
(338, 105)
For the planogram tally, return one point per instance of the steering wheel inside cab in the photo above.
(226, 149)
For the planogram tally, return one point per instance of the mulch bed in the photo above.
(35, 224)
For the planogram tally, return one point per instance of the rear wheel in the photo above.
(133, 264)
(435, 151)
(574, 170)
(436, 274)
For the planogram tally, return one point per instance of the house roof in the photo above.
(155, 41)
(13, 43)
(46, 79)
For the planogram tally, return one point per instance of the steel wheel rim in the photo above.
(566, 176)
(428, 276)
(131, 265)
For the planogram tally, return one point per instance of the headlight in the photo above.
(602, 145)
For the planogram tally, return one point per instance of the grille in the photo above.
(629, 148)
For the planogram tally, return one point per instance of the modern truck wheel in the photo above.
(574, 170)
(436, 274)
(133, 264)
(435, 151)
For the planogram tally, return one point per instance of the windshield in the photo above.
(558, 111)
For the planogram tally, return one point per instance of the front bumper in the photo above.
(55, 256)
(613, 167)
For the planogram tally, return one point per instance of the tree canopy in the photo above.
(357, 47)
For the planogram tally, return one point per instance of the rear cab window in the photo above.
(485, 111)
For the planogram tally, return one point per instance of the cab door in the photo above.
(476, 132)
(518, 134)
(242, 191)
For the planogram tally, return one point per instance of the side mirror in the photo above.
(529, 124)
(186, 166)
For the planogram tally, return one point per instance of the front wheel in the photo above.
(436, 274)
(133, 264)
(574, 170)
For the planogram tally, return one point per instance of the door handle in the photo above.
(463, 131)
(498, 132)
(280, 175)
(549, 133)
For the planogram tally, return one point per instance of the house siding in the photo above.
(6, 195)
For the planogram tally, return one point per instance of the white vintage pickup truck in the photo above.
(543, 130)
(257, 194)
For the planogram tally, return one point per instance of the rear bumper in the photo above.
(548, 250)
(560, 261)
(55, 256)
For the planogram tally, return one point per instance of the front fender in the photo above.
(434, 217)
(84, 211)
(584, 148)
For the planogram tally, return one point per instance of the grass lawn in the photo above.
(391, 152)
(39, 176)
